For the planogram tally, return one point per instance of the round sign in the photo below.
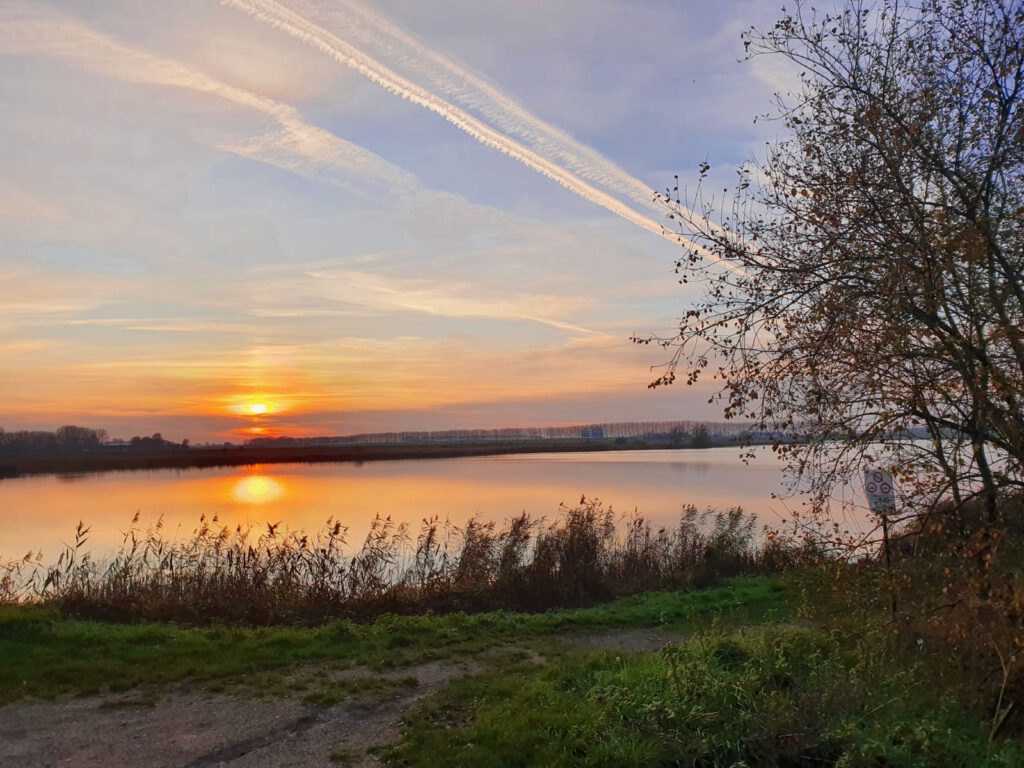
(872, 488)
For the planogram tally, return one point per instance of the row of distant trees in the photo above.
(66, 439)
(681, 433)
(73, 439)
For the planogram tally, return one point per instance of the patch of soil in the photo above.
(629, 640)
(189, 730)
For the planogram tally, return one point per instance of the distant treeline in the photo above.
(681, 433)
(73, 439)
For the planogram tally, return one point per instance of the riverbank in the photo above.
(107, 460)
(284, 651)
(746, 672)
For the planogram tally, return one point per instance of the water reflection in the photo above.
(257, 490)
(41, 512)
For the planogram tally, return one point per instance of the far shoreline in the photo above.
(106, 460)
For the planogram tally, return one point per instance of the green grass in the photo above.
(46, 655)
(771, 696)
(743, 686)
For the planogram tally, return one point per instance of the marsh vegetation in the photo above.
(585, 555)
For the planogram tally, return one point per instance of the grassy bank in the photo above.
(844, 681)
(46, 654)
(816, 661)
(753, 679)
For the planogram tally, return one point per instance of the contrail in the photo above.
(476, 93)
(280, 17)
(296, 145)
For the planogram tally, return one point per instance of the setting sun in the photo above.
(253, 406)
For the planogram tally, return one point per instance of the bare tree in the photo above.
(862, 285)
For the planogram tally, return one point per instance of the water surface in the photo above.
(40, 512)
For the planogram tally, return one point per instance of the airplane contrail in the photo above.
(476, 93)
(472, 91)
(279, 16)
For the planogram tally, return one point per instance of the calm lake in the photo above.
(40, 512)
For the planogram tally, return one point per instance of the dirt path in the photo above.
(185, 729)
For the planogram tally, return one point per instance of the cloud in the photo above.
(295, 145)
(443, 298)
(32, 294)
(164, 325)
(24, 212)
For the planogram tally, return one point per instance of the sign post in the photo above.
(878, 487)
(881, 493)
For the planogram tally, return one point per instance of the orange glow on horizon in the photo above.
(256, 429)
(255, 406)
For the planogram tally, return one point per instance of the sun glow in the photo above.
(257, 490)
(254, 406)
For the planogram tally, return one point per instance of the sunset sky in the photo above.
(353, 216)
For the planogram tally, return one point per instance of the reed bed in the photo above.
(276, 576)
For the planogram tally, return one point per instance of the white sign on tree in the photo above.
(878, 487)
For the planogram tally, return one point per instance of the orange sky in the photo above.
(411, 217)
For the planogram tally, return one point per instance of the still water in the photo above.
(41, 512)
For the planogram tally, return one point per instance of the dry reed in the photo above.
(277, 576)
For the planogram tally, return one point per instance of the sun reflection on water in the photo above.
(257, 490)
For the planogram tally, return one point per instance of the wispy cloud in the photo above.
(43, 307)
(163, 325)
(28, 29)
(22, 210)
(30, 294)
(358, 288)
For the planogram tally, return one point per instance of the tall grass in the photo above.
(278, 576)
